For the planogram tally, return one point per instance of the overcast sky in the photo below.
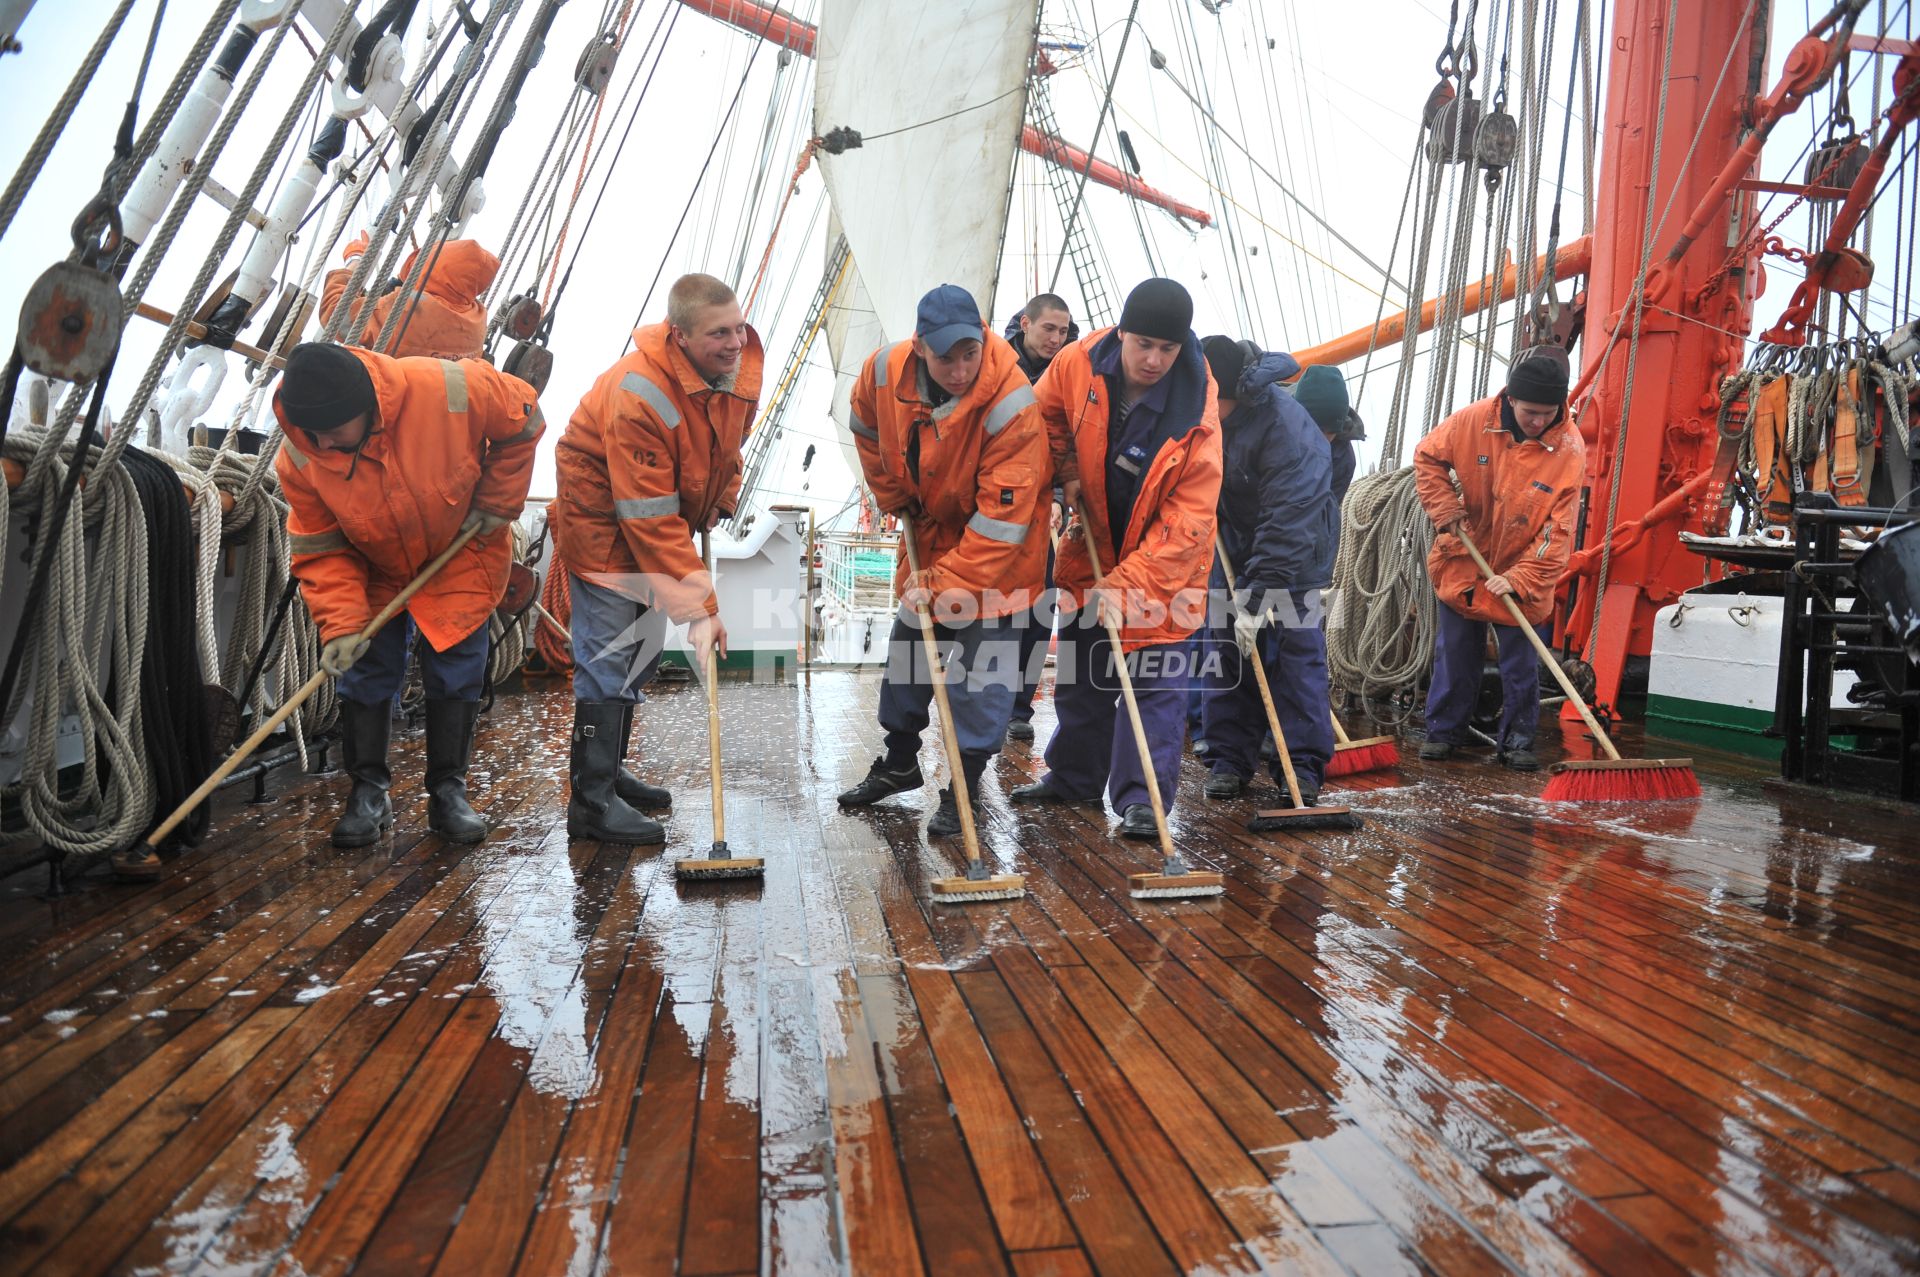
(1329, 108)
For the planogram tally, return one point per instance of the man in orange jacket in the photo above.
(949, 440)
(651, 456)
(1509, 469)
(447, 322)
(385, 462)
(1133, 420)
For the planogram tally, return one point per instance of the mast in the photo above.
(1688, 334)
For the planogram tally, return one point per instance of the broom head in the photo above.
(1631, 780)
(1303, 819)
(138, 864)
(719, 863)
(960, 891)
(1374, 754)
(1175, 886)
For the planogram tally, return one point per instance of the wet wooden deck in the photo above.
(1481, 1034)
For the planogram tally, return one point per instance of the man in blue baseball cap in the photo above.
(951, 443)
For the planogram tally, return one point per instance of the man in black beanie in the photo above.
(1134, 430)
(1508, 470)
(384, 462)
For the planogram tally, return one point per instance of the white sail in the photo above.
(937, 94)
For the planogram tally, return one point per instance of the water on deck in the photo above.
(1481, 1034)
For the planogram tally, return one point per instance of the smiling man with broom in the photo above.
(1507, 472)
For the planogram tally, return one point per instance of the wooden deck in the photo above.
(1481, 1034)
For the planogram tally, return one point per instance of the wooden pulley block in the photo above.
(520, 317)
(70, 322)
(1851, 271)
(531, 364)
(595, 68)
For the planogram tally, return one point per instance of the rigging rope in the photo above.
(1382, 619)
(56, 123)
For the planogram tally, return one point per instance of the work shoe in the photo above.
(449, 747)
(882, 781)
(1226, 785)
(1020, 729)
(594, 810)
(1434, 750)
(1520, 760)
(363, 752)
(633, 791)
(1200, 747)
(945, 821)
(1137, 822)
(1042, 791)
(1308, 797)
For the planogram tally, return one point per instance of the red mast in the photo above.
(1689, 336)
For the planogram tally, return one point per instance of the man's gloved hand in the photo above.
(338, 656)
(355, 246)
(1246, 633)
(484, 522)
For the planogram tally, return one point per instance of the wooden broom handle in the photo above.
(299, 698)
(1133, 706)
(949, 734)
(713, 705)
(1546, 654)
(1266, 693)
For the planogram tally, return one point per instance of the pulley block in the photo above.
(520, 317)
(1452, 125)
(531, 364)
(70, 322)
(594, 70)
(1835, 162)
(1496, 140)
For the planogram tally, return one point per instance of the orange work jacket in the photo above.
(449, 322)
(1518, 499)
(449, 437)
(650, 454)
(1162, 559)
(983, 470)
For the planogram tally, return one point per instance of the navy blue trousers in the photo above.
(617, 641)
(1093, 745)
(981, 674)
(1295, 659)
(1459, 654)
(456, 674)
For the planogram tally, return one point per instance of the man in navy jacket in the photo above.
(1279, 522)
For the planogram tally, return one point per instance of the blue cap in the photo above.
(947, 315)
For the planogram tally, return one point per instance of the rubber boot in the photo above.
(363, 751)
(633, 791)
(449, 746)
(595, 811)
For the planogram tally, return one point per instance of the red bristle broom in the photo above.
(1610, 780)
(1351, 757)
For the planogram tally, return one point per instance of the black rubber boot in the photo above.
(633, 791)
(595, 811)
(363, 751)
(449, 746)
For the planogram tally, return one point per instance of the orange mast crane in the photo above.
(774, 24)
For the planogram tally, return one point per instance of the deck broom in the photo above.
(1612, 779)
(1176, 880)
(719, 862)
(1299, 816)
(1371, 754)
(977, 883)
(142, 863)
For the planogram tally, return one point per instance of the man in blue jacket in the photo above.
(1279, 522)
(1322, 391)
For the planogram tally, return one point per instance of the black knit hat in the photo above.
(324, 387)
(1160, 309)
(1228, 359)
(1539, 376)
